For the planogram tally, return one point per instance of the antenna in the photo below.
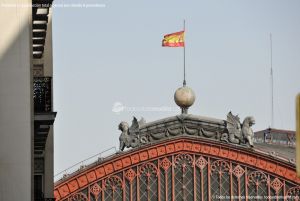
(272, 88)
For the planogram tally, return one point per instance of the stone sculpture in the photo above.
(247, 130)
(124, 137)
(239, 133)
(230, 131)
(130, 135)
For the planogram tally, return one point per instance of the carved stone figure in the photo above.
(124, 137)
(130, 135)
(234, 128)
(239, 133)
(247, 130)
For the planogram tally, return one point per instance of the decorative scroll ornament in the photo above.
(96, 190)
(149, 169)
(220, 166)
(130, 175)
(113, 183)
(293, 193)
(165, 164)
(183, 161)
(238, 171)
(230, 131)
(201, 162)
(276, 184)
(257, 178)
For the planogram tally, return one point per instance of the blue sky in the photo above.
(112, 54)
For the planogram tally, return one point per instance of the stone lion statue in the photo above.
(124, 137)
(247, 130)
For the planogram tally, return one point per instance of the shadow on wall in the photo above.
(16, 129)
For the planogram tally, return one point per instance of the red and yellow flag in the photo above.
(174, 40)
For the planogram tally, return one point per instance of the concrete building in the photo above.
(276, 136)
(26, 112)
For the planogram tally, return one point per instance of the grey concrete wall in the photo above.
(16, 107)
(49, 168)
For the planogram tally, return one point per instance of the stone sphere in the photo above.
(184, 97)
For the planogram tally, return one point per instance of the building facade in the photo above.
(185, 157)
(276, 136)
(26, 110)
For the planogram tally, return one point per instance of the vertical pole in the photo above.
(269, 188)
(89, 195)
(103, 192)
(284, 195)
(272, 92)
(184, 110)
(124, 186)
(231, 181)
(194, 170)
(298, 134)
(246, 184)
(184, 82)
(173, 182)
(202, 184)
(158, 180)
(239, 188)
(208, 179)
(166, 184)
(130, 191)
(138, 183)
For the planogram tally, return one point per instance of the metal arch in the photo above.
(245, 164)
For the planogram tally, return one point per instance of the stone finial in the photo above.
(184, 98)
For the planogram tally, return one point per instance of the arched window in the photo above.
(113, 188)
(257, 185)
(184, 182)
(148, 182)
(220, 180)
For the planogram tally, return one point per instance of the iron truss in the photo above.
(183, 169)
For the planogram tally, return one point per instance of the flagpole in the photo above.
(184, 81)
(272, 90)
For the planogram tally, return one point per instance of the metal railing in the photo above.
(83, 164)
(42, 94)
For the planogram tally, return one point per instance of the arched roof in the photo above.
(194, 143)
(183, 144)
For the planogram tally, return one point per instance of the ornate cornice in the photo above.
(231, 130)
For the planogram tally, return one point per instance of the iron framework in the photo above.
(189, 176)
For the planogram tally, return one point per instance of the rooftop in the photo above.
(185, 126)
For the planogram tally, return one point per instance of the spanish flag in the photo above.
(174, 40)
